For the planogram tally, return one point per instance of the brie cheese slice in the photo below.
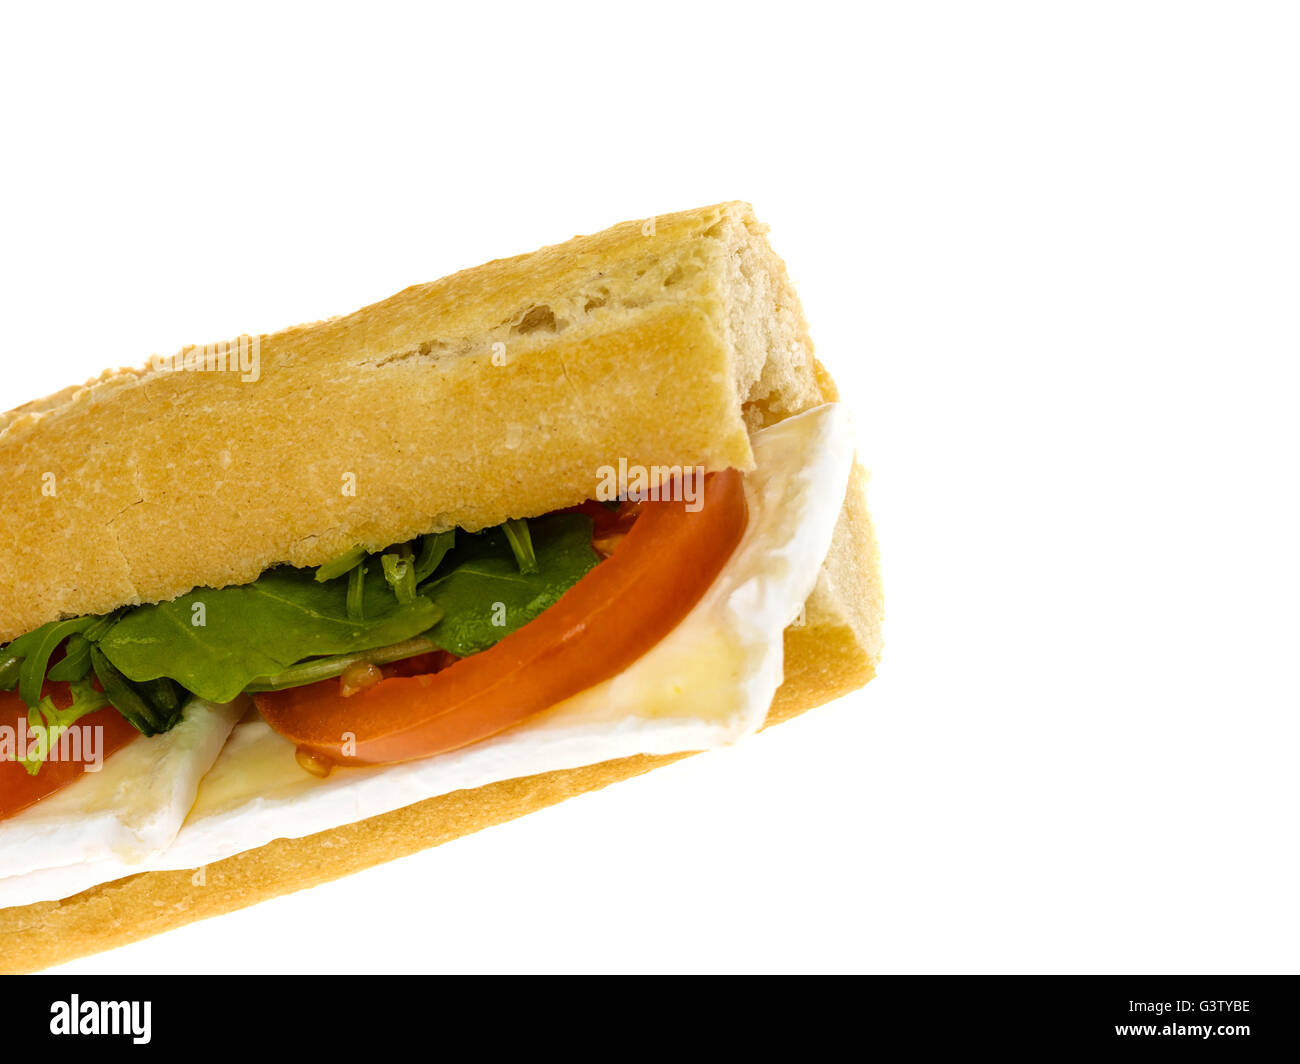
(129, 810)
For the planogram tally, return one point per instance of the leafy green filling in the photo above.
(485, 589)
(216, 642)
(457, 591)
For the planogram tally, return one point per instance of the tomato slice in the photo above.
(18, 790)
(602, 624)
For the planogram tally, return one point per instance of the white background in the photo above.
(1051, 253)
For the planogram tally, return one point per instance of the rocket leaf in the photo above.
(484, 595)
(257, 629)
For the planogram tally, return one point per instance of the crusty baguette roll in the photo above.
(659, 341)
(672, 343)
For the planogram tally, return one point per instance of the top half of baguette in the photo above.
(496, 392)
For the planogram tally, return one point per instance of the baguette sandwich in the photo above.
(280, 609)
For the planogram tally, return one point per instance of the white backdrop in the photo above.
(1050, 253)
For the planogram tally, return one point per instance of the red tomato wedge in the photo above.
(602, 624)
(18, 790)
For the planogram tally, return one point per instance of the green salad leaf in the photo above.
(259, 629)
(25, 664)
(433, 548)
(152, 707)
(342, 565)
(399, 571)
(31, 675)
(76, 661)
(521, 544)
(461, 592)
(485, 595)
(49, 722)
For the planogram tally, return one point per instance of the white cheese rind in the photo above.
(128, 811)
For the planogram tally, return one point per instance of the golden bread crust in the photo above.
(496, 392)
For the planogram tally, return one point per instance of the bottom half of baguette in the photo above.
(833, 649)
